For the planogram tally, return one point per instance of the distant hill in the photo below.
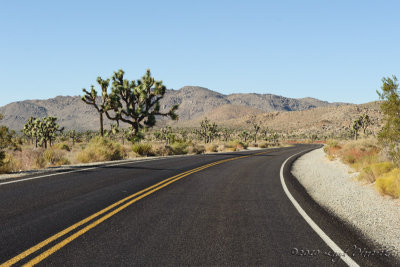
(195, 102)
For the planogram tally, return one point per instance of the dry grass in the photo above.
(101, 149)
(31, 159)
(364, 156)
(143, 149)
(389, 183)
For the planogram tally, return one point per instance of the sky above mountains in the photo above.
(331, 50)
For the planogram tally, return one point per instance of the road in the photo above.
(214, 209)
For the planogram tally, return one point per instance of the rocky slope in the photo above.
(195, 103)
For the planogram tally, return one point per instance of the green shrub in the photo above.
(4, 163)
(143, 149)
(179, 148)
(101, 149)
(389, 183)
(235, 145)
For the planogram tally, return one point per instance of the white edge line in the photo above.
(95, 167)
(346, 258)
(85, 169)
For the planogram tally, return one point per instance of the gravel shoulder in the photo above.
(334, 186)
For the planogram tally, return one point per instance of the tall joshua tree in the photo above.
(137, 103)
(90, 98)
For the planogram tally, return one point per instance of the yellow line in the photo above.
(76, 225)
(56, 247)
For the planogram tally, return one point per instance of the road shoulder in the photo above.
(331, 185)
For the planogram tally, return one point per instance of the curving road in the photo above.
(215, 209)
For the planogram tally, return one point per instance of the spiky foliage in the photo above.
(137, 103)
(42, 130)
(256, 126)
(357, 124)
(73, 135)
(29, 131)
(365, 122)
(245, 135)
(264, 133)
(165, 134)
(208, 130)
(274, 137)
(91, 98)
(226, 134)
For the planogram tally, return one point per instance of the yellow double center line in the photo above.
(133, 198)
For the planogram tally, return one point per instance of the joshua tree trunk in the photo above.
(101, 125)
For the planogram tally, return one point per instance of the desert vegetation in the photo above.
(376, 159)
(134, 106)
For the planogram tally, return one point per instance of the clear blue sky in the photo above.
(331, 50)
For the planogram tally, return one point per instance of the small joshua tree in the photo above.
(208, 130)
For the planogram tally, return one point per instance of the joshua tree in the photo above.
(244, 135)
(365, 122)
(226, 134)
(208, 131)
(137, 103)
(29, 130)
(43, 130)
(264, 133)
(72, 135)
(357, 124)
(256, 126)
(91, 98)
(274, 137)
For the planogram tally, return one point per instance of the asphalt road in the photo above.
(215, 209)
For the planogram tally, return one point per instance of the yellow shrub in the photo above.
(211, 148)
(101, 149)
(389, 183)
(143, 149)
(371, 172)
(54, 157)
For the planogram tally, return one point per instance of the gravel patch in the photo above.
(334, 186)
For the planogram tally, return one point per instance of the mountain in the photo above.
(194, 103)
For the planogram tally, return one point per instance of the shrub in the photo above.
(6, 163)
(235, 145)
(359, 154)
(54, 157)
(63, 146)
(263, 145)
(101, 149)
(371, 172)
(211, 148)
(143, 149)
(389, 183)
(179, 148)
(195, 149)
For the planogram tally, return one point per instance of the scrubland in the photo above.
(100, 149)
(371, 160)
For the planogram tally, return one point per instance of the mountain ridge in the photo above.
(194, 101)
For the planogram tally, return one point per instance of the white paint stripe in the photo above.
(346, 258)
(99, 166)
(81, 170)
